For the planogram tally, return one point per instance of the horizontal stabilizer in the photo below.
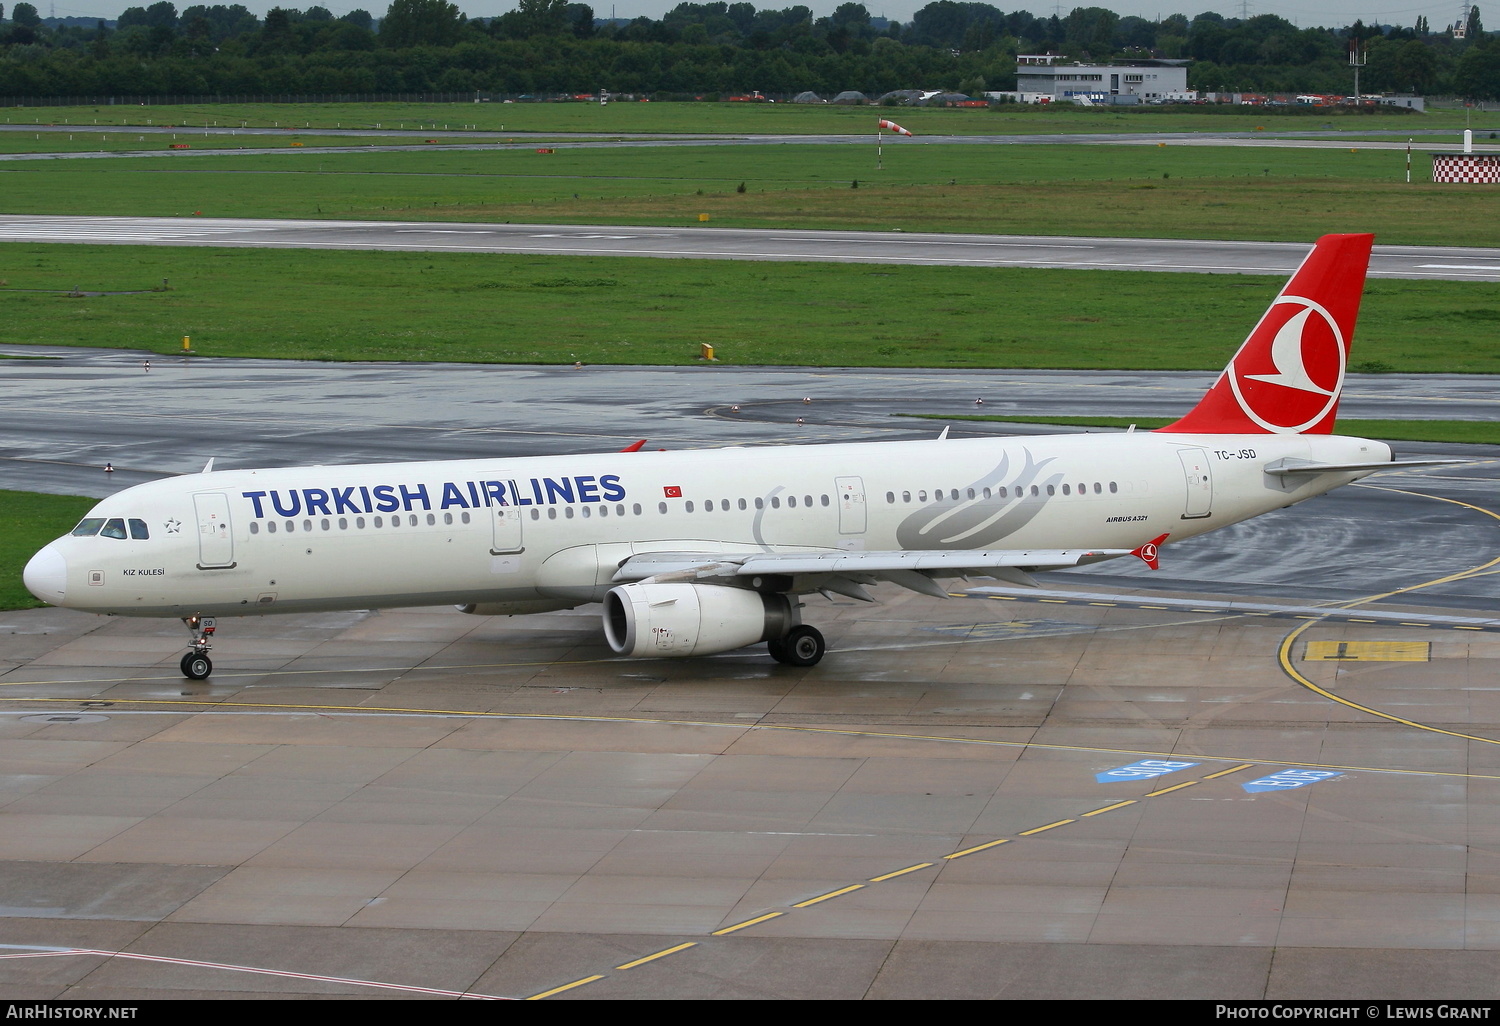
(1287, 467)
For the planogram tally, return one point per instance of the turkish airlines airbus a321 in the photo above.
(706, 551)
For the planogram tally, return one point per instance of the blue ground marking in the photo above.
(1146, 769)
(1289, 780)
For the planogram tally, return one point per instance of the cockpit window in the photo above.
(113, 528)
(138, 530)
(88, 527)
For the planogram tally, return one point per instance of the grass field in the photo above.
(719, 118)
(27, 522)
(340, 305)
(1463, 431)
(1171, 191)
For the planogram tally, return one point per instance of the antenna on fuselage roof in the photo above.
(944, 435)
(209, 466)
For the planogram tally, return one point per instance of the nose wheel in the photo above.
(196, 665)
(800, 646)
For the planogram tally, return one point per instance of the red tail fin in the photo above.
(1287, 376)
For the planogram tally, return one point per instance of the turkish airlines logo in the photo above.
(1292, 382)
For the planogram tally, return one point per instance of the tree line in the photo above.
(553, 47)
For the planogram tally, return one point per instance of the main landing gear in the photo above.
(800, 646)
(196, 665)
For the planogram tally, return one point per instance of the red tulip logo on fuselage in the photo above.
(1292, 382)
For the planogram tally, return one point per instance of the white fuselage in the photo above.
(522, 535)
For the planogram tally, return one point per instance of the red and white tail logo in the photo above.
(1287, 376)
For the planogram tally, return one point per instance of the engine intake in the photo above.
(692, 619)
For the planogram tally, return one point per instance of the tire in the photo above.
(803, 646)
(196, 667)
(777, 648)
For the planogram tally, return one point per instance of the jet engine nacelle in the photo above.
(691, 619)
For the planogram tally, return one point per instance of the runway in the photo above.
(956, 250)
(1235, 778)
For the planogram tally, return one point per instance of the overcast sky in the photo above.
(1322, 12)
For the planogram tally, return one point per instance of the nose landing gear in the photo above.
(196, 665)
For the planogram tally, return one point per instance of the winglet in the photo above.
(634, 446)
(1147, 552)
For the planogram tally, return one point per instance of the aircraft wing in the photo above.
(845, 572)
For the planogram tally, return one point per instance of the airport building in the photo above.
(1042, 76)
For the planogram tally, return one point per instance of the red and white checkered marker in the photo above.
(892, 126)
(1466, 168)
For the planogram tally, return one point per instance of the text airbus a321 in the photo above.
(699, 552)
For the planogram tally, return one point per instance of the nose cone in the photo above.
(46, 576)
